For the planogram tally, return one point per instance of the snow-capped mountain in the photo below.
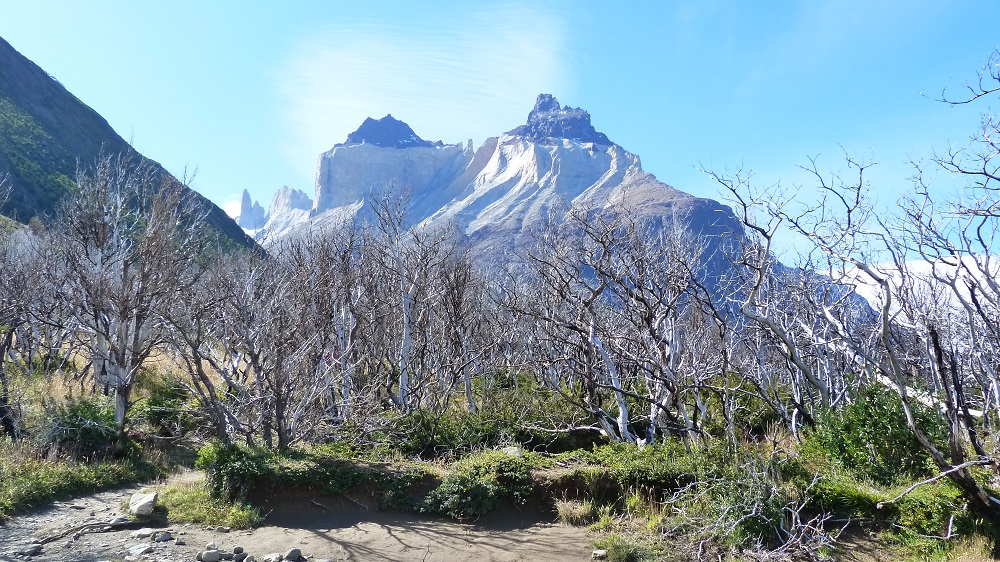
(502, 192)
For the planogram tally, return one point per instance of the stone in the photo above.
(240, 557)
(211, 546)
(139, 549)
(221, 529)
(250, 559)
(273, 557)
(164, 537)
(180, 542)
(142, 502)
(293, 554)
(118, 521)
(237, 549)
(142, 533)
(30, 550)
(211, 556)
(227, 555)
(600, 554)
(515, 452)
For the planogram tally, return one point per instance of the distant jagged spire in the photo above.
(252, 215)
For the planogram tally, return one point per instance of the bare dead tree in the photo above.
(610, 301)
(127, 243)
(916, 338)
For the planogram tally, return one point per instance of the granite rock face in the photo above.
(349, 173)
(252, 215)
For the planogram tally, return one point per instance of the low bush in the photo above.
(164, 408)
(869, 437)
(237, 473)
(517, 412)
(232, 471)
(479, 482)
(665, 466)
(82, 428)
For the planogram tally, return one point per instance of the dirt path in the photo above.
(335, 530)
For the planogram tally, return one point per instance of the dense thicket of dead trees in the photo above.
(620, 318)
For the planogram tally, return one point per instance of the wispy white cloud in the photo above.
(231, 205)
(464, 76)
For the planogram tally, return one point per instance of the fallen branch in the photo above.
(933, 479)
(363, 506)
(86, 527)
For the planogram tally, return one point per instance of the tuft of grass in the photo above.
(628, 548)
(606, 519)
(191, 502)
(27, 481)
(575, 512)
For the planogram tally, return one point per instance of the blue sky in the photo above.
(250, 93)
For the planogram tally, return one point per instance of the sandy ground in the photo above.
(335, 529)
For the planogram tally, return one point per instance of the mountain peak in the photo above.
(387, 132)
(550, 120)
(252, 216)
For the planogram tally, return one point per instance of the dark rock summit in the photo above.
(387, 132)
(550, 120)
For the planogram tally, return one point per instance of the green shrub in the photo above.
(477, 484)
(82, 428)
(515, 408)
(934, 510)
(164, 409)
(665, 466)
(869, 437)
(231, 470)
(844, 495)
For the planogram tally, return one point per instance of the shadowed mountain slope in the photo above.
(45, 131)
